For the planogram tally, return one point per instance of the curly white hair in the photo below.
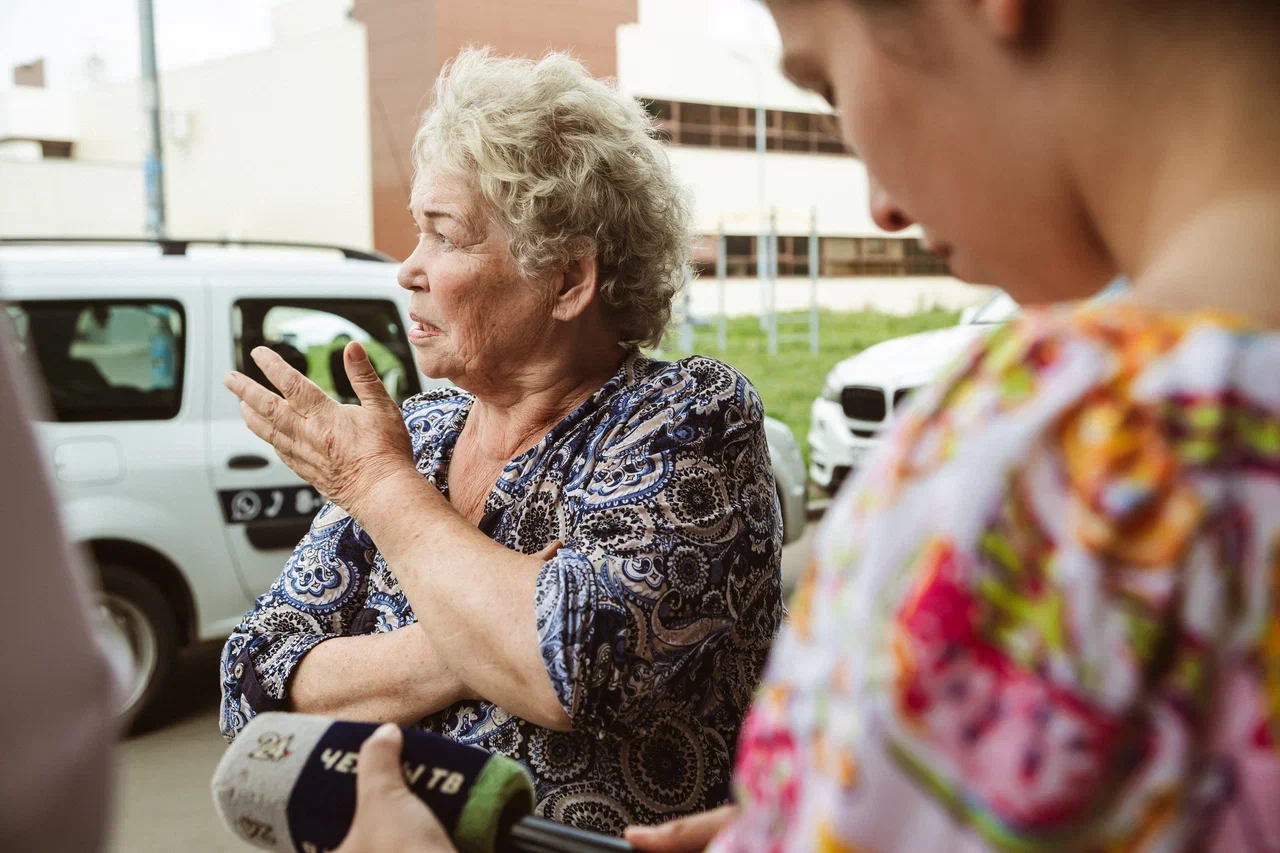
(569, 166)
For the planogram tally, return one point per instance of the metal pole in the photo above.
(772, 242)
(153, 165)
(722, 274)
(813, 280)
(762, 257)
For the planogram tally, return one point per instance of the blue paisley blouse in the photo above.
(655, 618)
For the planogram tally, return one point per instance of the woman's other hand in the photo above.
(389, 817)
(687, 835)
(344, 451)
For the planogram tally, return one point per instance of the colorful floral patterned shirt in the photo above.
(1047, 616)
(655, 618)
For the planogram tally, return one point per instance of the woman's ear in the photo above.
(577, 288)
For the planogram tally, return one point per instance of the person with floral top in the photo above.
(1046, 615)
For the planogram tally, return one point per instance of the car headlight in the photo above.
(831, 388)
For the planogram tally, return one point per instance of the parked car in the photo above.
(790, 477)
(187, 515)
(860, 394)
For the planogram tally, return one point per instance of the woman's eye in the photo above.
(445, 242)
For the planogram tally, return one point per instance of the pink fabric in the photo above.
(1047, 617)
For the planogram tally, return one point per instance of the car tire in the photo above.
(137, 613)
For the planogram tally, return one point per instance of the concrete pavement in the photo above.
(163, 802)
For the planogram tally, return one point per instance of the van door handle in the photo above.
(247, 462)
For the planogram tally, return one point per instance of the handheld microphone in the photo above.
(288, 784)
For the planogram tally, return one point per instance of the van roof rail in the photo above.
(176, 246)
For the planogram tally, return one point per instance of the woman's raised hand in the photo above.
(344, 451)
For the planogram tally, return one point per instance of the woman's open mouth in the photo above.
(421, 331)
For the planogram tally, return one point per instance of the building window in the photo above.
(55, 150)
(838, 256)
(720, 126)
(658, 110)
(919, 261)
(877, 256)
(740, 256)
(705, 249)
(793, 256)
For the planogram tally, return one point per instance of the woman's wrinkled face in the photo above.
(956, 129)
(473, 313)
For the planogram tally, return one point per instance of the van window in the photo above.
(105, 360)
(310, 334)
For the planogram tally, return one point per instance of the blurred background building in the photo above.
(306, 135)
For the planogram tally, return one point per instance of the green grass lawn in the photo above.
(789, 381)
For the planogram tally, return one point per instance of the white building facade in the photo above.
(282, 144)
(271, 144)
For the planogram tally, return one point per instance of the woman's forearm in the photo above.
(395, 677)
(474, 597)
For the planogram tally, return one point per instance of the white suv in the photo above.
(860, 393)
(187, 514)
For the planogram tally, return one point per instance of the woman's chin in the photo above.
(431, 366)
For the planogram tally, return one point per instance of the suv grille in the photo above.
(900, 396)
(863, 404)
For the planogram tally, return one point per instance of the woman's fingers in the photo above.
(365, 380)
(271, 407)
(304, 395)
(269, 432)
(389, 816)
(687, 835)
(378, 768)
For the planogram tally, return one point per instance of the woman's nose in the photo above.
(412, 274)
(884, 212)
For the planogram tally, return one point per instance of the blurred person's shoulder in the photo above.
(1121, 346)
(1091, 383)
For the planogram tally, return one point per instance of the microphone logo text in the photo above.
(441, 779)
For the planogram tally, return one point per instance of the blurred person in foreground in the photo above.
(1045, 617)
(572, 557)
(58, 717)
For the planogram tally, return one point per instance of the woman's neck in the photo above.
(1181, 178)
(513, 414)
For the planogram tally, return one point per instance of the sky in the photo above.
(68, 33)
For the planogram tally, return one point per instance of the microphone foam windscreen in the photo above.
(288, 783)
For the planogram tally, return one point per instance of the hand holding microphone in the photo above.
(388, 815)
(295, 783)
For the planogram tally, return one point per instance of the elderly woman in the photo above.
(571, 558)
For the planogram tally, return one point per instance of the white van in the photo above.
(188, 515)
